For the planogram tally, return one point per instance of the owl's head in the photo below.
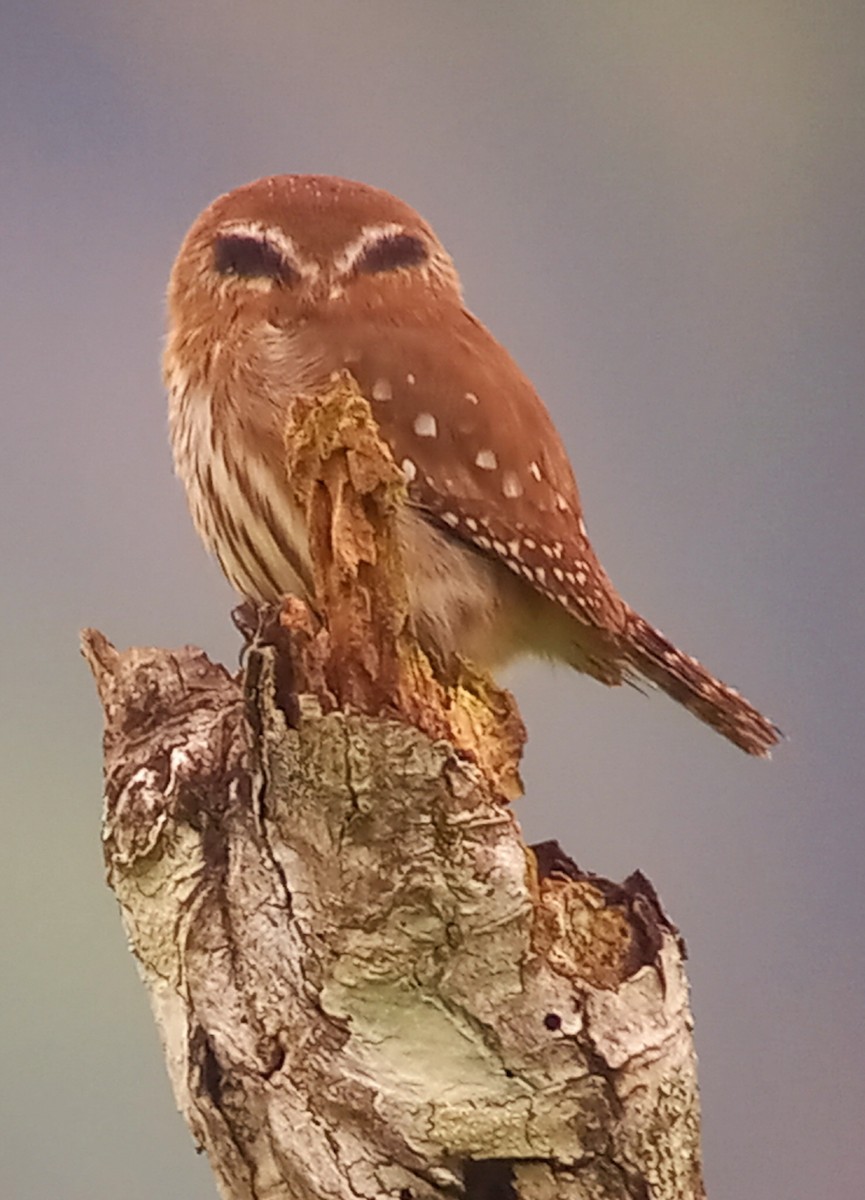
(290, 245)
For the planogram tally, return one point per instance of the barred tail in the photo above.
(687, 681)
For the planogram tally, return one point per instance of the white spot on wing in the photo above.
(486, 460)
(511, 485)
(381, 390)
(408, 469)
(425, 425)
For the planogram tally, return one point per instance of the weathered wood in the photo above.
(366, 984)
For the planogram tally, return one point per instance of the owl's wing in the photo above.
(480, 453)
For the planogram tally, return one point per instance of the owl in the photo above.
(283, 283)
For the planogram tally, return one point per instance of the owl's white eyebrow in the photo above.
(275, 237)
(368, 236)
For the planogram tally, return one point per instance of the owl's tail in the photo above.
(687, 681)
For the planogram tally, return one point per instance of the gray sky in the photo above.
(658, 208)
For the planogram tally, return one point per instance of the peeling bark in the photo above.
(366, 984)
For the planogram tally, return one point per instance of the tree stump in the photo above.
(366, 984)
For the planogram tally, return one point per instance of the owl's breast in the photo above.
(238, 494)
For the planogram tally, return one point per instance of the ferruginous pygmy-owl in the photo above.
(283, 282)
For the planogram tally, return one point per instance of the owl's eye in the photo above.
(252, 258)
(390, 251)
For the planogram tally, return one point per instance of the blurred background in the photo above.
(658, 207)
